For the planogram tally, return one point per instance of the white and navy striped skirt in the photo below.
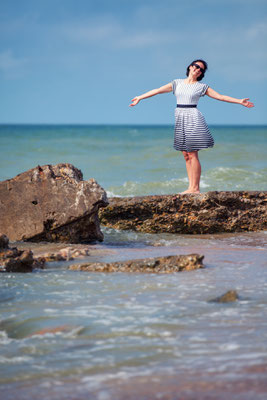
(191, 130)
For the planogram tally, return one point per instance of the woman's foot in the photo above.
(190, 191)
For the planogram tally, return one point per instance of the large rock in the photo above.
(51, 203)
(192, 213)
(164, 265)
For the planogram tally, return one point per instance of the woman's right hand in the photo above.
(135, 101)
(246, 103)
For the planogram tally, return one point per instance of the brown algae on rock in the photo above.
(163, 265)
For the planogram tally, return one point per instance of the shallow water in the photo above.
(115, 335)
(76, 335)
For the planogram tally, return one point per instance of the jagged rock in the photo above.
(227, 297)
(51, 203)
(210, 212)
(165, 265)
(14, 260)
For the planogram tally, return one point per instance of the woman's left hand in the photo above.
(135, 101)
(246, 103)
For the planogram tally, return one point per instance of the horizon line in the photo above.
(112, 124)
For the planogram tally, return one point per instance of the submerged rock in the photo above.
(66, 330)
(210, 212)
(227, 297)
(14, 260)
(165, 265)
(51, 203)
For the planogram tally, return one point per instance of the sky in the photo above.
(82, 61)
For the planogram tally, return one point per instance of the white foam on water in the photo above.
(4, 339)
(135, 188)
(96, 381)
(15, 360)
(229, 347)
(204, 184)
(112, 194)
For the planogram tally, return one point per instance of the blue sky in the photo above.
(82, 61)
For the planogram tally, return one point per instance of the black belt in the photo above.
(186, 105)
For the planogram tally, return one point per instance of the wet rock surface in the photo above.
(53, 252)
(209, 212)
(166, 265)
(66, 254)
(227, 297)
(14, 260)
(51, 203)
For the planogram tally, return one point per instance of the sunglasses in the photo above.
(197, 66)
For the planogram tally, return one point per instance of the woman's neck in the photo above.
(190, 80)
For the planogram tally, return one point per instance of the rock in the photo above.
(4, 242)
(50, 257)
(227, 297)
(163, 265)
(14, 260)
(51, 203)
(66, 254)
(44, 250)
(210, 212)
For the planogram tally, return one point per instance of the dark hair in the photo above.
(203, 73)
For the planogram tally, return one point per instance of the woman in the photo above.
(191, 131)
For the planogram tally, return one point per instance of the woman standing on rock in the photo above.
(191, 131)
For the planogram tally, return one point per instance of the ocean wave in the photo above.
(219, 178)
(227, 178)
(14, 360)
(135, 188)
(4, 339)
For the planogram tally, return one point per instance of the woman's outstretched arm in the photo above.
(244, 102)
(163, 89)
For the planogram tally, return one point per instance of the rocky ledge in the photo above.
(210, 212)
(51, 203)
(164, 265)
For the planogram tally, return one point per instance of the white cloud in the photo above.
(235, 52)
(88, 32)
(108, 31)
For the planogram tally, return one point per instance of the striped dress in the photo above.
(191, 130)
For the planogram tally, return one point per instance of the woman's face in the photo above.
(195, 70)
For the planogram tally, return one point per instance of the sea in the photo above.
(77, 335)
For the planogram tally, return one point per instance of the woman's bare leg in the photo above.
(188, 169)
(193, 168)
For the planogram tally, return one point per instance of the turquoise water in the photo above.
(138, 160)
(75, 336)
(122, 336)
